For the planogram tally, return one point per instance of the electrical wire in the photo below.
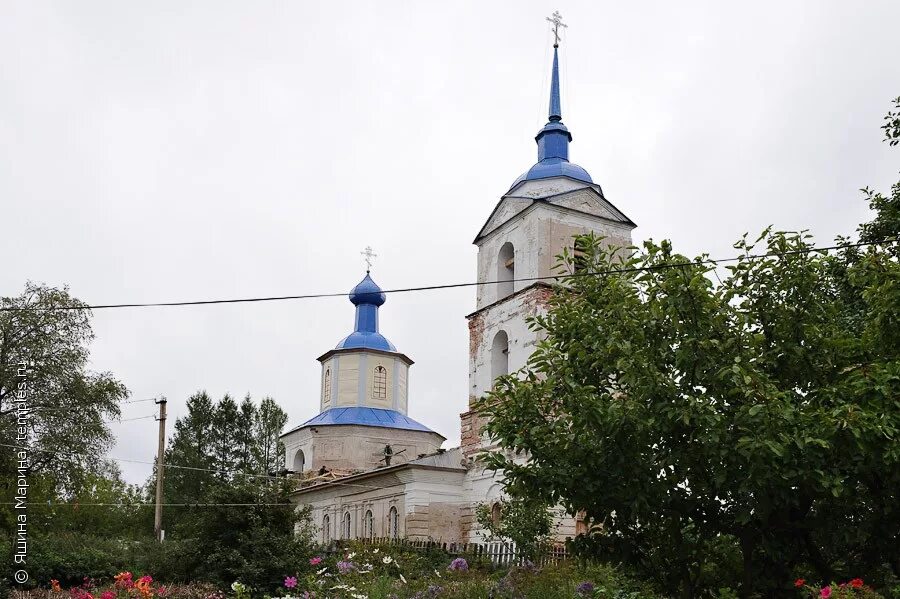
(557, 277)
(198, 469)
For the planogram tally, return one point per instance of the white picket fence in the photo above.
(498, 552)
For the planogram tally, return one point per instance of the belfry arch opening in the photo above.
(500, 355)
(506, 270)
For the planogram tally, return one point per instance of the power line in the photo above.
(708, 261)
(197, 469)
(130, 419)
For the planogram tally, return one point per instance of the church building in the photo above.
(366, 468)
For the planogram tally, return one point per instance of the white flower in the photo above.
(322, 571)
(376, 550)
(403, 579)
(355, 596)
(438, 574)
(351, 556)
(387, 559)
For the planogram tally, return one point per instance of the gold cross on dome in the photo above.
(369, 257)
(556, 19)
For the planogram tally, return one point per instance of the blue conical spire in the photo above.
(553, 140)
(555, 105)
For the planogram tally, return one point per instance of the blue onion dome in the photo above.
(367, 296)
(367, 292)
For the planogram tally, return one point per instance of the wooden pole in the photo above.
(160, 470)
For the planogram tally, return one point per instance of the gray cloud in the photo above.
(173, 150)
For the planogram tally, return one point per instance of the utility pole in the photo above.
(160, 469)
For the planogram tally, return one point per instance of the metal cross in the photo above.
(556, 19)
(370, 255)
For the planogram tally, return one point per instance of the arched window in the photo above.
(500, 355)
(345, 528)
(326, 387)
(379, 385)
(299, 461)
(369, 525)
(326, 529)
(393, 523)
(495, 513)
(506, 270)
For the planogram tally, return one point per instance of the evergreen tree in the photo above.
(270, 423)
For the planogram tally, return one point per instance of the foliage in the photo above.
(50, 331)
(891, 125)
(397, 572)
(245, 531)
(524, 521)
(382, 581)
(674, 411)
(217, 443)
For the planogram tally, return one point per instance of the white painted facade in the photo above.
(365, 378)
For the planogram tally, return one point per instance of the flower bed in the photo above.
(371, 572)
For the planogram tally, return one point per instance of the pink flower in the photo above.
(857, 583)
(290, 582)
(825, 593)
(315, 561)
(107, 595)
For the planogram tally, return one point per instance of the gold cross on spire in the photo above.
(556, 19)
(369, 256)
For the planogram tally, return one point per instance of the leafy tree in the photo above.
(681, 414)
(526, 522)
(48, 329)
(245, 531)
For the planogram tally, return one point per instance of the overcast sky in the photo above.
(163, 151)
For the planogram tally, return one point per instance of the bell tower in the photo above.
(540, 215)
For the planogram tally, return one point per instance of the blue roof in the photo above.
(554, 167)
(553, 141)
(367, 296)
(363, 340)
(366, 417)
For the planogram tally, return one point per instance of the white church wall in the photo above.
(348, 379)
(427, 502)
(353, 447)
(542, 188)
